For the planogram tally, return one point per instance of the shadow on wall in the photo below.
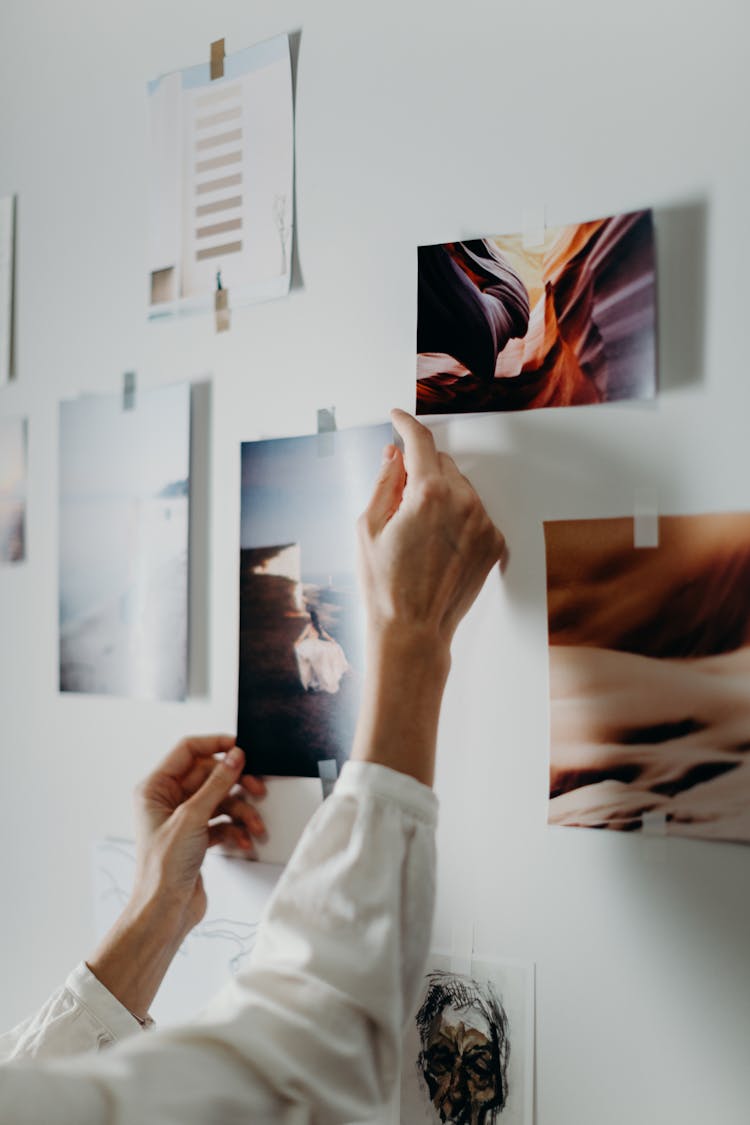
(681, 239)
(297, 281)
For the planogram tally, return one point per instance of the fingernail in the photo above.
(232, 758)
(258, 826)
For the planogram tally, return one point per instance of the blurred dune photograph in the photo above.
(650, 676)
(503, 325)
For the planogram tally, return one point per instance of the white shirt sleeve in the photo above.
(311, 1031)
(81, 1016)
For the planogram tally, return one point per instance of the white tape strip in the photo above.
(328, 771)
(654, 823)
(533, 227)
(326, 431)
(645, 519)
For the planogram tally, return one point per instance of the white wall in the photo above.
(417, 122)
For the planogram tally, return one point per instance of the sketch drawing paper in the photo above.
(214, 950)
(12, 490)
(505, 326)
(301, 627)
(469, 1050)
(7, 252)
(650, 675)
(222, 181)
(124, 505)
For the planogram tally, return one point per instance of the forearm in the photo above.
(132, 959)
(398, 720)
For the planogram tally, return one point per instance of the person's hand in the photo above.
(426, 546)
(426, 541)
(195, 799)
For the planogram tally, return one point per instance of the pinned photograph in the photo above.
(124, 504)
(221, 168)
(12, 490)
(650, 676)
(570, 320)
(301, 620)
(469, 1051)
(7, 274)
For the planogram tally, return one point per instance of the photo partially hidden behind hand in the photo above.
(12, 489)
(650, 675)
(502, 325)
(469, 1051)
(123, 527)
(301, 620)
(221, 169)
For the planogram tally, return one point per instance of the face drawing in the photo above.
(465, 1049)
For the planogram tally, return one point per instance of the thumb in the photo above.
(217, 785)
(389, 488)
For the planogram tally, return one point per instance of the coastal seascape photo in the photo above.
(650, 675)
(301, 626)
(12, 490)
(124, 504)
(504, 325)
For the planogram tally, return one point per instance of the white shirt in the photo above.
(309, 1032)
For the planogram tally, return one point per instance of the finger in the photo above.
(230, 835)
(181, 759)
(255, 786)
(217, 785)
(389, 488)
(243, 814)
(420, 454)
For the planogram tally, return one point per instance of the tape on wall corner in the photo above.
(533, 227)
(328, 772)
(326, 431)
(645, 518)
(217, 59)
(128, 390)
(222, 315)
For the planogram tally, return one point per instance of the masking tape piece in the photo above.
(128, 390)
(222, 314)
(654, 823)
(533, 227)
(326, 432)
(217, 59)
(645, 519)
(328, 772)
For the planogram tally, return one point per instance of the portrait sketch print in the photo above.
(469, 1051)
(301, 620)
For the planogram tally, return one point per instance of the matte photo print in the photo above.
(506, 326)
(124, 505)
(650, 676)
(469, 1051)
(221, 166)
(301, 619)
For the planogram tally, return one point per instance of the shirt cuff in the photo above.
(400, 789)
(103, 1006)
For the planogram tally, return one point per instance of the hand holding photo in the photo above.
(502, 326)
(650, 675)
